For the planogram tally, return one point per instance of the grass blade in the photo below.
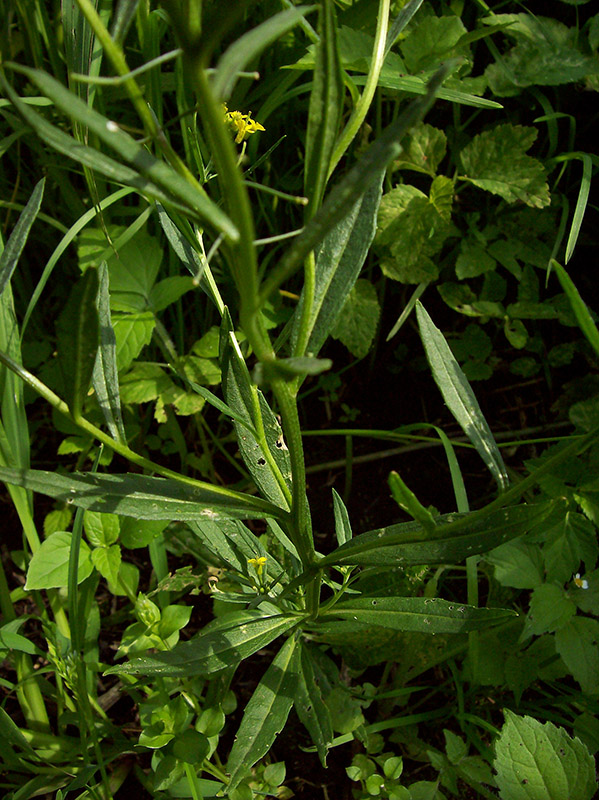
(458, 395)
(581, 205)
(14, 247)
(585, 321)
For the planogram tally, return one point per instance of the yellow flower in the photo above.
(242, 124)
(258, 564)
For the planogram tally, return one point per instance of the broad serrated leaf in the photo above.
(132, 332)
(266, 712)
(408, 543)
(423, 150)
(358, 320)
(578, 645)
(536, 761)
(459, 396)
(311, 708)
(142, 496)
(49, 565)
(433, 40)
(496, 161)
(107, 560)
(222, 643)
(420, 614)
(101, 530)
(78, 332)
(517, 564)
(13, 248)
(550, 610)
(105, 373)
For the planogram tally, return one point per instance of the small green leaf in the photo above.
(140, 532)
(496, 161)
(433, 40)
(407, 500)
(517, 564)
(473, 260)
(578, 645)
(358, 319)
(101, 530)
(536, 761)
(459, 396)
(550, 610)
(343, 530)
(583, 317)
(224, 642)
(132, 332)
(107, 560)
(424, 149)
(49, 565)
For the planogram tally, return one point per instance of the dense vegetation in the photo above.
(242, 248)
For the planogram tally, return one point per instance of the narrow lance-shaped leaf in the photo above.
(339, 260)
(78, 330)
(222, 643)
(459, 396)
(105, 376)
(454, 538)
(250, 45)
(406, 499)
(357, 181)
(422, 614)
(324, 115)
(135, 154)
(16, 242)
(311, 708)
(266, 712)
(343, 530)
(89, 156)
(583, 317)
(142, 496)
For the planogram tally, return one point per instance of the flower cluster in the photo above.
(242, 124)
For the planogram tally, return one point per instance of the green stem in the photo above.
(363, 104)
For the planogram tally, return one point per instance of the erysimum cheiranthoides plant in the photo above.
(275, 584)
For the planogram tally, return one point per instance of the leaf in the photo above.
(420, 614)
(16, 242)
(407, 500)
(49, 565)
(140, 532)
(324, 114)
(517, 564)
(458, 395)
(424, 149)
(266, 712)
(249, 46)
(339, 260)
(174, 185)
(550, 610)
(132, 333)
(536, 761)
(358, 319)
(214, 536)
(411, 229)
(578, 645)
(310, 706)
(579, 307)
(573, 540)
(343, 530)
(78, 331)
(169, 291)
(141, 496)
(432, 40)
(107, 560)
(547, 53)
(266, 456)
(222, 643)
(473, 260)
(101, 530)
(496, 161)
(105, 375)
(408, 543)
(143, 383)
